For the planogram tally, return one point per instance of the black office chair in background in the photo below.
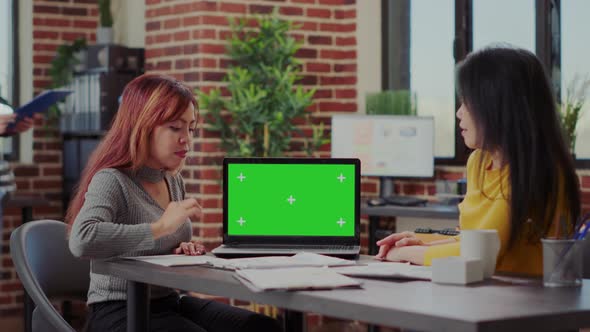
(47, 269)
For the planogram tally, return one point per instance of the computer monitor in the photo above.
(387, 145)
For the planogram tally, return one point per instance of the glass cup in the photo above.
(562, 262)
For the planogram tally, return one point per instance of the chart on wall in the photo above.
(387, 145)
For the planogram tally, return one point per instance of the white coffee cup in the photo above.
(483, 244)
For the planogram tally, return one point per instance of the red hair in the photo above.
(148, 101)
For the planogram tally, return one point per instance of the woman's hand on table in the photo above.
(191, 248)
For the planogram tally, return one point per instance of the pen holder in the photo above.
(562, 262)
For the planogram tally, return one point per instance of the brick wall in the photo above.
(54, 22)
(187, 39)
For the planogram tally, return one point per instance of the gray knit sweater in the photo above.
(115, 222)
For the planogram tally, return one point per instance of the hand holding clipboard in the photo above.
(39, 104)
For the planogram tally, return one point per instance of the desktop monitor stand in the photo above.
(386, 186)
(388, 196)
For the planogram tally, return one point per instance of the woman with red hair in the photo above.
(131, 202)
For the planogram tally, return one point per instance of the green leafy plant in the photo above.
(62, 67)
(393, 102)
(258, 118)
(104, 9)
(570, 109)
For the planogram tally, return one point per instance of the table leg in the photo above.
(373, 328)
(294, 321)
(373, 223)
(26, 214)
(28, 307)
(138, 307)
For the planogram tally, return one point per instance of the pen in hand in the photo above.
(581, 232)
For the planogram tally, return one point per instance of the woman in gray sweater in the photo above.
(131, 202)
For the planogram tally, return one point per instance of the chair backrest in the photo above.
(47, 268)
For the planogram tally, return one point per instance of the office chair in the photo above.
(47, 269)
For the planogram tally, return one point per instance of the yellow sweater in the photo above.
(490, 209)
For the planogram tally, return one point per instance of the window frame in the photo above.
(548, 49)
(15, 97)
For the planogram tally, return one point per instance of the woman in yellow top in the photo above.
(521, 179)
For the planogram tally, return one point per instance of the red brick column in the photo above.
(187, 39)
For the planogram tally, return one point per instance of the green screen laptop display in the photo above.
(290, 199)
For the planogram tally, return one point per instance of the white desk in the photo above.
(496, 305)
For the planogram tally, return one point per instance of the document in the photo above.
(176, 260)
(387, 270)
(300, 278)
(302, 259)
(265, 262)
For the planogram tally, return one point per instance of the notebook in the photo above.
(278, 206)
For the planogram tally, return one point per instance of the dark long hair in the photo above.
(514, 108)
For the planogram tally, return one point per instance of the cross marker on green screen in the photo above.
(241, 177)
(291, 199)
(341, 177)
(241, 221)
(341, 222)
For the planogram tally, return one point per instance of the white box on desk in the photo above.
(457, 270)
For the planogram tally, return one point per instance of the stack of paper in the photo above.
(302, 259)
(387, 270)
(265, 262)
(177, 260)
(304, 278)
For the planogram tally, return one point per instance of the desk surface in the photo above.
(429, 211)
(20, 200)
(500, 304)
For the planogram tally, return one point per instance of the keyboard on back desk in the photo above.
(405, 200)
(446, 231)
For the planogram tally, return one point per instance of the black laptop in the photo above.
(275, 206)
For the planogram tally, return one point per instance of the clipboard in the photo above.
(40, 103)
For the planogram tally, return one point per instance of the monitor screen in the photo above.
(290, 199)
(387, 145)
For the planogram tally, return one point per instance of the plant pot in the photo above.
(104, 35)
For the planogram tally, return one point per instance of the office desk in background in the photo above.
(500, 304)
(429, 211)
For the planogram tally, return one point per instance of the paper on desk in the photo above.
(177, 260)
(300, 278)
(265, 262)
(302, 259)
(387, 270)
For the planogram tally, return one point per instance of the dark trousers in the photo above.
(175, 313)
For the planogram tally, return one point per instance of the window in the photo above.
(424, 39)
(8, 69)
(575, 62)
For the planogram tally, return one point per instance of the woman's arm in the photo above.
(416, 254)
(99, 230)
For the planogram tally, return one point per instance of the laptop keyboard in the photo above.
(295, 247)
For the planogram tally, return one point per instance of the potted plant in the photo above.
(104, 33)
(62, 68)
(258, 118)
(570, 110)
(393, 102)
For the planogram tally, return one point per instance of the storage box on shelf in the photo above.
(89, 111)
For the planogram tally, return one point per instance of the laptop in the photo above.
(281, 206)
